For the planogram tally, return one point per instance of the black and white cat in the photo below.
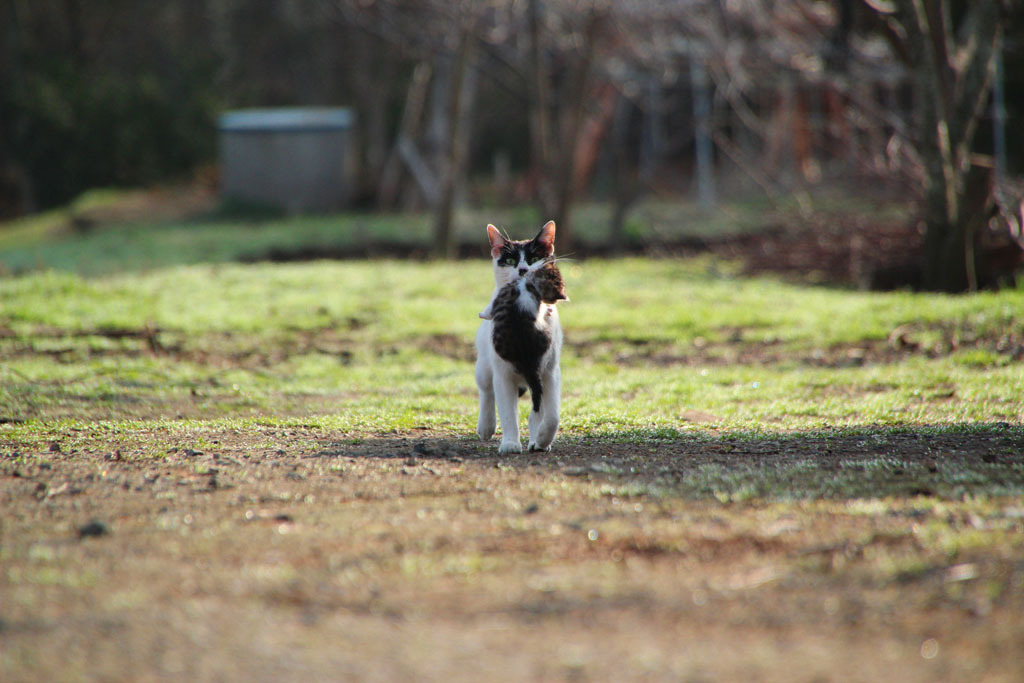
(519, 343)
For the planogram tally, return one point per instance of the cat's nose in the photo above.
(522, 271)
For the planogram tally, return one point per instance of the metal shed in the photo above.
(297, 159)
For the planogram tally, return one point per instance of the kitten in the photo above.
(521, 347)
(517, 335)
(550, 287)
(545, 283)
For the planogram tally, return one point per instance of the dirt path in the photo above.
(300, 555)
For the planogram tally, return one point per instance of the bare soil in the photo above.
(295, 554)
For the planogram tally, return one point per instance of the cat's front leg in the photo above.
(486, 422)
(506, 395)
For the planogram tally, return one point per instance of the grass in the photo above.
(282, 464)
(111, 231)
(657, 353)
(387, 344)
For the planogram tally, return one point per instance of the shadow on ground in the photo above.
(867, 461)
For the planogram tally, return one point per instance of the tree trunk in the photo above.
(625, 179)
(412, 113)
(456, 141)
(554, 165)
(952, 69)
(954, 255)
(540, 124)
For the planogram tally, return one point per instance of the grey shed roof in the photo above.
(290, 119)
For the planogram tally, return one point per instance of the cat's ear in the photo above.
(497, 241)
(546, 238)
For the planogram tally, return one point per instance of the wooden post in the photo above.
(702, 133)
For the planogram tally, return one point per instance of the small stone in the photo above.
(93, 528)
(54, 447)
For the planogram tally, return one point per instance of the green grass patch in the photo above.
(110, 231)
(656, 352)
(648, 343)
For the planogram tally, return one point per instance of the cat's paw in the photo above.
(535, 448)
(485, 427)
(507, 447)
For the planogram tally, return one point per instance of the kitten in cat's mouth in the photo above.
(542, 279)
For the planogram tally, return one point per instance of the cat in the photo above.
(519, 343)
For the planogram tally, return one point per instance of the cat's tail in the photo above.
(536, 389)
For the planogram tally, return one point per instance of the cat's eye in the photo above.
(508, 261)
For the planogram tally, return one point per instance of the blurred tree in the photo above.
(561, 68)
(951, 49)
(441, 39)
(834, 92)
(95, 94)
(126, 92)
(456, 134)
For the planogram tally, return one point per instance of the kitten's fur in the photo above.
(521, 347)
(548, 282)
(517, 334)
